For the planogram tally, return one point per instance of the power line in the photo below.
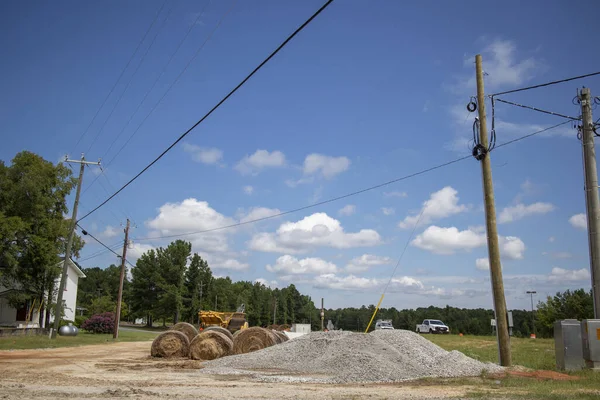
(223, 100)
(132, 76)
(531, 134)
(154, 85)
(98, 240)
(120, 76)
(331, 200)
(538, 109)
(101, 252)
(314, 204)
(545, 84)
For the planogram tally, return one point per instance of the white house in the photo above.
(27, 316)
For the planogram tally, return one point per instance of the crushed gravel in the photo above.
(346, 357)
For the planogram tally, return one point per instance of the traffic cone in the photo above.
(532, 336)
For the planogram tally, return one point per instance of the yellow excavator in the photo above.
(232, 321)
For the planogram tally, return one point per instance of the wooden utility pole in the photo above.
(65, 269)
(492, 230)
(121, 279)
(322, 315)
(532, 292)
(591, 193)
(275, 311)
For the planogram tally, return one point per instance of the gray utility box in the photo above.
(568, 345)
(590, 333)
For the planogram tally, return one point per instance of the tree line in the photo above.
(171, 284)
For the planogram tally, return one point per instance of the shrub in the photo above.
(100, 323)
(79, 320)
(64, 322)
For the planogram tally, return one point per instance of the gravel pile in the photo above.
(346, 357)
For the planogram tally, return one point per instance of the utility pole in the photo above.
(491, 228)
(216, 302)
(201, 285)
(65, 269)
(532, 292)
(591, 193)
(121, 279)
(275, 311)
(322, 315)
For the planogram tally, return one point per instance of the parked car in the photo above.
(383, 324)
(432, 326)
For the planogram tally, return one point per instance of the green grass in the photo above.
(82, 339)
(530, 353)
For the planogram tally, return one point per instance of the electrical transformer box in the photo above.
(568, 345)
(590, 333)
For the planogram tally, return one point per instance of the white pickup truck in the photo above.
(384, 324)
(432, 326)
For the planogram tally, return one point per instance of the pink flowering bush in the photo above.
(100, 323)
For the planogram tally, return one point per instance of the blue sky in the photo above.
(369, 92)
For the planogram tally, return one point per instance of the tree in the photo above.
(34, 230)
(144, 287)
(197, 277)
(172, 261)
(576, 304)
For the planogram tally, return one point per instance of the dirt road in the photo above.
(126, 370)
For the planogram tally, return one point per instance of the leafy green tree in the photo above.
(144, 287)
(576, 304)
(172, 261)
(197, 277)
(33, 229)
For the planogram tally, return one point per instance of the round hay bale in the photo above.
(282, 337)
(253, 339)
(187, 329)
(220, 329)
(236, 333)
(171, 344)
(209, 345)
(273, 327)
(284, 327)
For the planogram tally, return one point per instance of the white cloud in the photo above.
(388, 210)
(441, 204)
(501, 67)
(551, 239)
(578, 221)
(192, 215)
(325, 166)
(354, 283)
(267, 283)
(258, 213)
(482, 264)
(448, 240)
(511, 247)
(135, 250)
(520, 211)
(189, 215)
(364, 262)
(110, 231)
(261, 159)
(248, 189)
(316, 230)
(395, 194)
(348, 209)
(204, 155)
(291, 265)
(564, 275)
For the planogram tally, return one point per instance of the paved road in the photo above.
(126, 328)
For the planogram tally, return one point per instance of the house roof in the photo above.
(76, 267)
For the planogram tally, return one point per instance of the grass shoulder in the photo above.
(82, 339)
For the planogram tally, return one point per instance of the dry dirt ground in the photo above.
(125, 370)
